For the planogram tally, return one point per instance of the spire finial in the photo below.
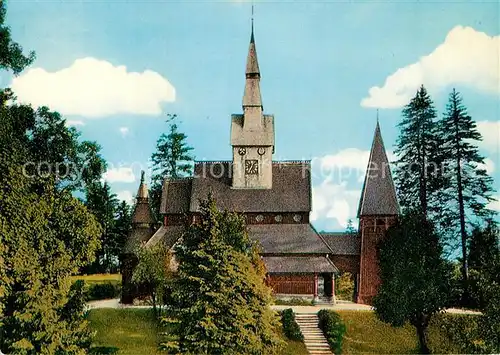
(377, 116)
(142, 176)
(252, 39)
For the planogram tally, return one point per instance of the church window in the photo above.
(278, 218)
(259, 218)
(242, 151)
(297, 218)
(261, 151)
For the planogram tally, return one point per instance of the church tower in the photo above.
(252, 133)
(143, 227)
(378, 210)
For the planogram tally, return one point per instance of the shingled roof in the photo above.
(176, 195)
(298, 264)
(287, 238)
(378, 196)
(342, 243)
(290, 192)
(167, 235)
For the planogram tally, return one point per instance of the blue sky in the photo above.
(116, 68)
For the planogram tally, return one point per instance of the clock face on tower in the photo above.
(251, 167)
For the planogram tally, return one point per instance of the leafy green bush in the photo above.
(462, 330)
(101, 290)
(333, 328)
(290, 326)
(344, 286)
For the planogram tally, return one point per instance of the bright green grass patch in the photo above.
(98, 278)
(133, 332)
(366, 334)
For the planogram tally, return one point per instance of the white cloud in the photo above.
(466, 57)
(343, 165)
(490, 130)
(489, 166)
(334, 201)
(125, 196)
(75, 123)
(124, 131)
(495, 205)
(119, 175)
(94, 88)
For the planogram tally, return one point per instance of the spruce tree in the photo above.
(103, 204)
(172, 159)
(415, 279)
(468, 187)
(416, 169)
(219, 297)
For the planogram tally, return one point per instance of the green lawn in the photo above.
(366, 334)
(98, 278)
(133, 332)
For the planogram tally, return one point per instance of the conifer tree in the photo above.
(468, 187)
(219, 297)
(416, 169)
(103, 204)
(415, 279)
(172, 159)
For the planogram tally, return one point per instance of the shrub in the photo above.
(344, 286)
(333, 328)
(102, 291)
(296, 301)
(290, 326)
(462, 330)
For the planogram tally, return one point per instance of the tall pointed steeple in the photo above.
(142, 212)
(378, 197)
(252, 100)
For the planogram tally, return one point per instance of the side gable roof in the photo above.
(342, 243)
(378, 196)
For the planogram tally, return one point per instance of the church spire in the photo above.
(251, 97)
(378, 196)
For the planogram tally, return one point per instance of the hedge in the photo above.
(333, 328)
(290, 326)
(101, 290)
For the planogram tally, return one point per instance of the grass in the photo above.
(98, 278)
(366, 334)
(133, 332)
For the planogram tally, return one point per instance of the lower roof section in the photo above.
(167, 235)
(288, 238)
(299, 264)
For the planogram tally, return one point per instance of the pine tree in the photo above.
(219, 297)
(468, 187)
(417, 169)
(350, 229)
(172, 159)
(415, 279)
(103, 204)
(121, 228)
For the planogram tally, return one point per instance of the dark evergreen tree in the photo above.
(468, 187)
(484, 250)
(172, 159)
(350, 229)
(121, 228)
(219, 297)
(103, 204)
(417, 167)
(415, 279)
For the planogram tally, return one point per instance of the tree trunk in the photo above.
(461, 209)
(422, 338)
(421, 323)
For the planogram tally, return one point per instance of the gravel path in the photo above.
(347, 306)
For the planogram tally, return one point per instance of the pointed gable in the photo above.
(378, 196)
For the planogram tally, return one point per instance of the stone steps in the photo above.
(314, 339)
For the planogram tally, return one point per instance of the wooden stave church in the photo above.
(275, 197)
